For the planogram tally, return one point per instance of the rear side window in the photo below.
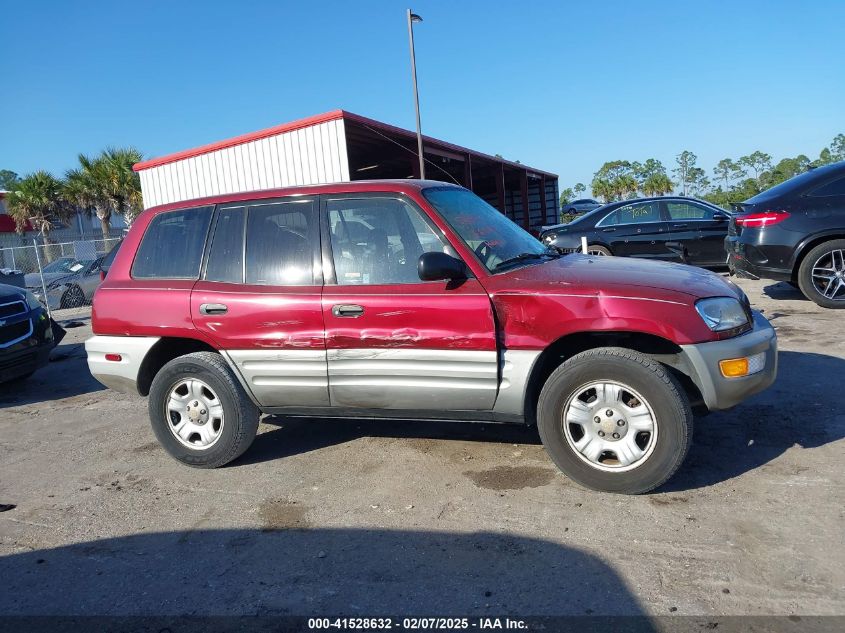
(689, 211)
(281, 241)
(226, 255)
(835, 188)
(173, 244)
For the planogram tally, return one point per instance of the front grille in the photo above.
(11, 309)
(14, 332)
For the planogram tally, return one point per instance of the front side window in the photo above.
(281, 240)
(689, 211)
(497, 241)
(173, 244)
(378, 240)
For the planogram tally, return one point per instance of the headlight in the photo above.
(32, 301)
(722, 313)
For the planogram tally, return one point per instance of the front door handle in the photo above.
(213, 308)
(347, 310)
(608, 230)
(680, 226)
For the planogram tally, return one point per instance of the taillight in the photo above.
(760, 220)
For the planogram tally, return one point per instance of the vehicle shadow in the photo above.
(293, 436)
(64, 376)
(783, 291)
(794, 412)
(288, 568)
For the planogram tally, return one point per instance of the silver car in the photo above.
(70, 282)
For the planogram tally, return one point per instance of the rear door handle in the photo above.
(213, 308)
(347, 310)
(680, 226)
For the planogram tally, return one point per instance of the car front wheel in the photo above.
(614, 420)
(821, 276)
(200, 413)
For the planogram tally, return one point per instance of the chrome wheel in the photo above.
(194, 413)
(828, 275)
(609, 426)
(591, 251)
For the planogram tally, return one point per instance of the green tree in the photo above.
(686, 162)
(37, 198)
(657, 185)
(566, 197)
(837, 148)
(651, 167)
(8, 179)
(614, 180)
(758, 162)
(106, 184)
(697, 181)
(726, 170)
(786, 168)
(601, 188)
(579, 189)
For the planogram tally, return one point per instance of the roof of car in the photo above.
(386, 185)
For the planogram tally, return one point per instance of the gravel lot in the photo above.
(364, 518)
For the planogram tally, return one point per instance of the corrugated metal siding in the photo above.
(308, 156)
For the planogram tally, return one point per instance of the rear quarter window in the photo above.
(173, 244)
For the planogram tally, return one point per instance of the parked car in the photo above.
(581, 206)
(70, 282)
(224, 308)
(674, 229)
(795, 232)
(26, 334)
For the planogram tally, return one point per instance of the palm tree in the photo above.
(37, 199)
(106, 184)
(657, 185)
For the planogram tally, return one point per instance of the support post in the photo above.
(523, 185)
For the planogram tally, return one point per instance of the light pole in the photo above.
(413, 17)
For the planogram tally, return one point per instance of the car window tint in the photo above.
(172, 245)
(225, 257)
(281, 238)
(689, 211)
(834, 188)
(638, 213)
(378, 240)
(609, 220)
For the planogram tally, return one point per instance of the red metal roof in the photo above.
(315, 120)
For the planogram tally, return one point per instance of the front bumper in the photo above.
(719, 392)
(32, 352)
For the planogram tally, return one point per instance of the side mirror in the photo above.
(719, 217)
(435, 266)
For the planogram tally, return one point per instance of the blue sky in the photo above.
(561, 86)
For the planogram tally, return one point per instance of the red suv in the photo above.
(416, 300)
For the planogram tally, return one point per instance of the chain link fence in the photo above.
(63, 276)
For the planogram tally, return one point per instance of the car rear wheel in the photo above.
(821, 276)
(200, 413)
(73, 297)
(614, 420)
(601, 251)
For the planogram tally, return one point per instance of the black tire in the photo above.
(805, 275)
(240, 415)
(73, 297)
(657, 386)
(601, 250)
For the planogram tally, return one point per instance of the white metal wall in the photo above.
(312, 155)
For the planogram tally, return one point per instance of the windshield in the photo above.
(62, 265)
(494, 238)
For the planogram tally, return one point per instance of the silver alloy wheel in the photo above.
(610, 426)
(828, 275)
(194, 413)
(591, 251)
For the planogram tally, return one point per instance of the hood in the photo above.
(33, 280)
(621, 276)
(11, 293)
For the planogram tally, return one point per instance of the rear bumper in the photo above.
(749, 261)
(719, 392)
(120, 375)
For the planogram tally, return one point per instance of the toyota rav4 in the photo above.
(416, 300)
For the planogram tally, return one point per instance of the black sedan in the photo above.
(795, 232)
(673, 229)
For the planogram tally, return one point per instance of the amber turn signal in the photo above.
(734, 367)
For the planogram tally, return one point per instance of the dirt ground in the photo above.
(365, 518)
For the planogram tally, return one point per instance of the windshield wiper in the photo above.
(523, 257)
